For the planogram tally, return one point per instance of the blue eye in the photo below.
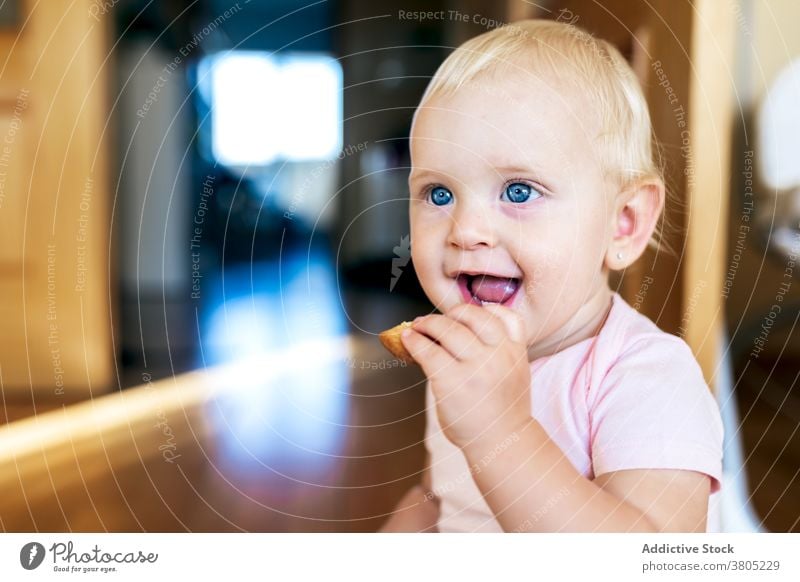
(519, 192)
(441, 196)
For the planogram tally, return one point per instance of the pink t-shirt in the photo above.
(631, 397)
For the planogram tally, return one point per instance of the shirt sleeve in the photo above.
(653, 410)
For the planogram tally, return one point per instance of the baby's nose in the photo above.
(472, 227)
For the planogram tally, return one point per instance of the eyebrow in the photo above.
(415, 175)
(545, 179)
(516, 169)
(527, 163)
(506, 169)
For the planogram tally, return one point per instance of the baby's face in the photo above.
(509, 205)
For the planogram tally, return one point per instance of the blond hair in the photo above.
(573, 55)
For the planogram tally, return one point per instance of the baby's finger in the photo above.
(482, 322)
(455, 337)
(514, 326)
(427, 353)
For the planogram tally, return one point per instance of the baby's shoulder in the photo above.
(628, 333)
(636, 348)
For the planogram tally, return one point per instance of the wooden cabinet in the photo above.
(55, 335)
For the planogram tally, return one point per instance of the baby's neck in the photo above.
(586, 323)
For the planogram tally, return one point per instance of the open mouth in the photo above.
(488, 289)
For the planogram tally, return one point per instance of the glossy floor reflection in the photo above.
(289, 410)
(316, 428)
(293, 469)
(180, 454)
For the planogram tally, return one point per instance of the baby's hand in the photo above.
(478, 371)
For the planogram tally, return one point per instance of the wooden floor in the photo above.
(196, 456)
(768, 397)
(766, 383)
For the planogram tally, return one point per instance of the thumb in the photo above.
(515, 327)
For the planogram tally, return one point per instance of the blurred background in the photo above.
(203, 225)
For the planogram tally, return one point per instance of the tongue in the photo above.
(493, 289)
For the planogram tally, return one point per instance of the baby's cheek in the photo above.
(418, 254)
(541, 256)
(425, 259)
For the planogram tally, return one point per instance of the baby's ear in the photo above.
(636, 214)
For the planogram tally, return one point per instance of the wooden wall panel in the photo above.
(54, 218)
(683, 53)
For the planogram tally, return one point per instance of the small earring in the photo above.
(619, 256)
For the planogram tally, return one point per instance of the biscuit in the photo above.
(391, 341)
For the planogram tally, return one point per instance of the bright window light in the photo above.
(266, 108)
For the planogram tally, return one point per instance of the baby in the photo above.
(552, 404)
